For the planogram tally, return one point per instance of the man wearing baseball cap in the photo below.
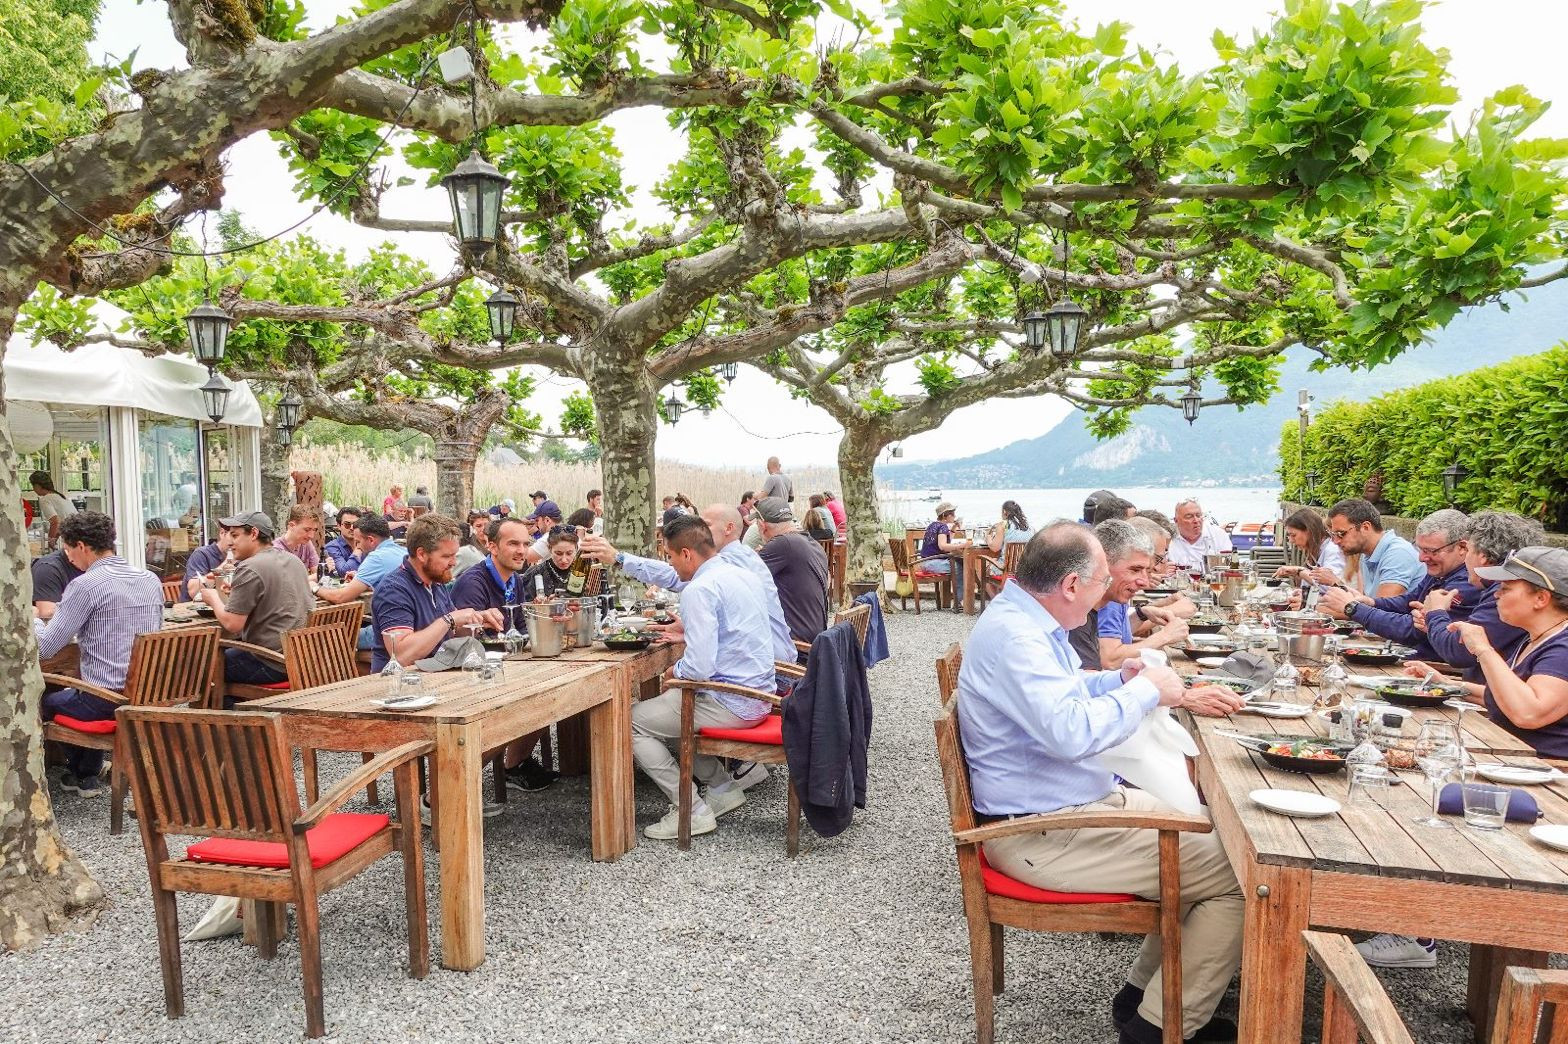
(799, 567)
(270, 594)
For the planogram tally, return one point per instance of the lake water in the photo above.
(984, 506)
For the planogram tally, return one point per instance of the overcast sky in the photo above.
(1493, 44)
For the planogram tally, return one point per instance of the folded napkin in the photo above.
(1252, 666)
(1521, 806)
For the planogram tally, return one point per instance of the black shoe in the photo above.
(530, 776)
(1215, 1031)
(1138, 1030)
(1125, 1004)
(86, 786)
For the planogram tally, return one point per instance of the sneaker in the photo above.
(1125, 1004)
(721, 802)
(490, 810)
(86, 786)
(1398, 951)
(530, 777)
(668, 828)
(748, 774)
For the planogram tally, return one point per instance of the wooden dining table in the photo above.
(469, 719)
(1373, 869)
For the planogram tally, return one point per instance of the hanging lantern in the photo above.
(672, 409)
(476, 187)
(208, 327)
(1311, 479)
(1453, 475)
(215, 397)
(502, 307)
(285, 436)
(1063, 324)
(288, 410)
(1034, 331)
(729, 371)
(898, 451)
(1191, 403)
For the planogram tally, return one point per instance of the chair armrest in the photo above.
(694, 684)
(804, 647)
(1081, 821)
(792, 670)
(65, 681)
(254, 650)
(357, 780)
(1358, 988)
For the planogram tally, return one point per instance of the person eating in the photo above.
(1389, 563)
(1196, 536)
(937, 544)
(1494, 535)
(1130, 556)
(1307, 533)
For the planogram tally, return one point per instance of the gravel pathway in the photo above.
(860, 938)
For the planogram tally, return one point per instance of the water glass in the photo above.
(410, 685)
(1369, 787)
(1486, 805)
(491, 673)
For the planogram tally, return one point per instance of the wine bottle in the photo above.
(577, 580)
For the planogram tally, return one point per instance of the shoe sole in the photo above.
(1403, 964)
(720, 815)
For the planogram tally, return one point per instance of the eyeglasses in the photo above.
(346, 525)
(1340, 534)
(1428, 552)
(1545, 582)
(1103, 581)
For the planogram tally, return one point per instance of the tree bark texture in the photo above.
(628, 421)
(275, 498)
(857, 457)
(43, 886)
(455, 461)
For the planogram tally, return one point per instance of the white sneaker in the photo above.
(720, 802)
(749, 775)
(668, 828)
(221, 919)
(1398, 951)
(490, 810)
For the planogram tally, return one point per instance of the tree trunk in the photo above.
(455, 476)
(857, 457)
(43, 886)
(628, 421)
(275, 499)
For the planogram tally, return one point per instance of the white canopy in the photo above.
(106, 375)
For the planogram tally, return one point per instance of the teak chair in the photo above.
(995, 572)
(908, 568)
(173, 591)
(349, 615)
(316, 656)
(992, 900)
(859, 617)
(228, 777)
(167, 669)
(343, 619)
(762, 743)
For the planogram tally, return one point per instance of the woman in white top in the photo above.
(1012, 529)
(52, 505)
(1307, 532)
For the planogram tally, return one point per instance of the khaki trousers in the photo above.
(657, 721)
(1128, 861)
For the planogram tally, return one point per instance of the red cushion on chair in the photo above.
(768, 730)
(281, 686)
(107, 725)
(998, 883)
(337, 836)
(923, 574)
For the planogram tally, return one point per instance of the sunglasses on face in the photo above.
(1340, 534)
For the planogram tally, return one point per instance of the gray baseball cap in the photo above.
(257, 520)
(774, 510)
(452, 653)
(1545, 567)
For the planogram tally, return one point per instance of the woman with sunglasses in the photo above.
(556, 567)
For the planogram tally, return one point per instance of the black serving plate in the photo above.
(1195, 651)
(1430, 696)
(627, 644)
(205, 610)
(1367, 658)
(1193, 627)
(1311, 766)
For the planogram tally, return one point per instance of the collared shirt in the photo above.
(404, 601)
(52, 574)
(481, 588)
(662, 574)
(103, 611)
(1394, 561)
(1113, 622)
(1031, 723)
(1189, 554)
(383, 558)
(306, 552)
(724, 615)
(344, 558)
(1483, 613)
(203, 560)
(1391, 618)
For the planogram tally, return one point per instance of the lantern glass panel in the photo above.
(1034, 331)
(208, 328)
(215, 397)
(1191, 403)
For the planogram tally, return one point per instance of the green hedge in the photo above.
(1507, 424)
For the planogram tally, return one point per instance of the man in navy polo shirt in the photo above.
(412, 605)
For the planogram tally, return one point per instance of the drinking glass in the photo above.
(1369, 787)
(1439, 753)
(392, 673)
(491, 672)
(411, 685)
(474, 661)
(1486, 805)
(513, 637)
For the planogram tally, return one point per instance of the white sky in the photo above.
(1493, 43)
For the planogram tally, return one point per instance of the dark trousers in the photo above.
(240, 666)
(82, 763)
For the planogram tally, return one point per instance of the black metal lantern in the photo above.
(285, 436)
(288, 410)
(1454, 474)
(502, 307)
(729, 371)
(208, 327)
(898, 451)
(1311, 479)
(1191, 403)
(476, 188)
(1034, 331)
(215, 397)
(1063, 324)
(673, 408)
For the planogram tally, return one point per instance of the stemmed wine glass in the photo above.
(1439, 753)
(392, 673)
(474, 662)
(513, 637)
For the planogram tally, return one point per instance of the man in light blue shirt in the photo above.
(724, 622)
(379, 554)
(1032, 727)
(1390, 564)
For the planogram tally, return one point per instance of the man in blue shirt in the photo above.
(1033, 726)
(724, 622)
(1389, 563)
(1130, 555)
(205, 560)
(412, 606)
(1494, 535)
(379, 554)
(341, 552)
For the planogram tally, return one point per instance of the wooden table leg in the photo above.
(968, 560)
(1488, 964)
(459, 822)
(1273, 954)
(571, 745)
(614, 808)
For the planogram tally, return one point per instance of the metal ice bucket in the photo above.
(546, 631)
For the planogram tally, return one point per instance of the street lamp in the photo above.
(208, 327)
(672, 409)
(1191, 403)
(476, 187)
(1034, 331)
(729, 371)
(288, 410)
(215, 397)
(1454, 474)
(1063, 323)
(502, 307)
(898, 451)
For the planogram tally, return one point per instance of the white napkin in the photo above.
(1154, 758)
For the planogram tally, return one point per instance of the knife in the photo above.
(1246, 739)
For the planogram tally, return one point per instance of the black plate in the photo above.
(1160, 592)
(1371, 659)
(1418, 698)
(1194, 627)
(1291, 763)
(627, 644)
(1195, 651)
(205, 610)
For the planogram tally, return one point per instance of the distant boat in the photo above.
(933, 494)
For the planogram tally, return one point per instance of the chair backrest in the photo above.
(210, 773)
(172, 591)
(947, 666)
(349, 616)
(174, 667)
(859, 617)
(1355, 1005)
(899, 549)
(316, 656)
(1519, 1004)
(955, 776)
(1011, 553)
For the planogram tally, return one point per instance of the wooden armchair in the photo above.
(242, 692)
(228, 778)
(173, 591)
(315, 656)
(763, 742)
(859, 618)
(167, 669)
(350, 616)
(908, 568)
(997, 570)
(993, 900)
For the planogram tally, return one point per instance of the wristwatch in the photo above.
(620, 558)
(1350, 610)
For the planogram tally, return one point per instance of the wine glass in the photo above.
(513, 637)
(474, 661)
(1439, 753)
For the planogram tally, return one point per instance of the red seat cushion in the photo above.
(768, 730)
(922, 574)
(107, 725)
(998, 883)
(281, 686)
(338, 835)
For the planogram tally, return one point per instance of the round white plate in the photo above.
(1214, 662)
(1521, 775)
(1553, 834)
(1295, 803)
(1278, 711)
(406, 705)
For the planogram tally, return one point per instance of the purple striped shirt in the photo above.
(103, 611)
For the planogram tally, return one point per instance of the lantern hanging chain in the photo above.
(104, 233)
(473, 81)
(206, 276)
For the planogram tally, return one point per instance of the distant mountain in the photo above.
(1240, 447)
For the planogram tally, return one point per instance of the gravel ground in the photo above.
(861, 937)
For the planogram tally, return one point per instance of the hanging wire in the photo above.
(791, 435)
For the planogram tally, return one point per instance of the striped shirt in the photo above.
(103, 611)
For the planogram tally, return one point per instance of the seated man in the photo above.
(270, 595)
(546, 516)
(724, 620)
(52, 573)
(1130, 558)
(799, 567)
(1494, 535)
(102, 610)
(205, 560)
(341, 554)
(412, 608)
(1032, 728)
(379, 554)
(1389, 565)
(420, 503)
(1196, 536)
(299, 537)
(1158, 613)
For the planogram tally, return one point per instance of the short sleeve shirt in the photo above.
(1550, 657)
(272, 591)
(1393, 561)
(387, 556)
(51, 574)
(306, 553)
(54, 505)
(404, 601)
(778, 485)
(1085, 640)
(800, 572)
(928, 543)
(1113, 622)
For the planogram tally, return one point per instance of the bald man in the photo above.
(777, 484)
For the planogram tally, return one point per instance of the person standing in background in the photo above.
(595, 501)
(777, 484)
(53, 507)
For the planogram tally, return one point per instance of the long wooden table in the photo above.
(642, 673)
(1371, 869)
(469, 720)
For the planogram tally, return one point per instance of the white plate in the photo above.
(1276, 710)
(1521, 775)
(1554, 835)
(1295, 803)
(406, 705)
(1213, 662)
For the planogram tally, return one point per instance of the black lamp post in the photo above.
(1191, 403)
(672, 409)
(1311, 479)
(1454, 474)
(215, 397)
(729, 371)
(502, 308)
(476, 187)
(208, 327)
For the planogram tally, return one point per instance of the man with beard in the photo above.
(413, 605)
